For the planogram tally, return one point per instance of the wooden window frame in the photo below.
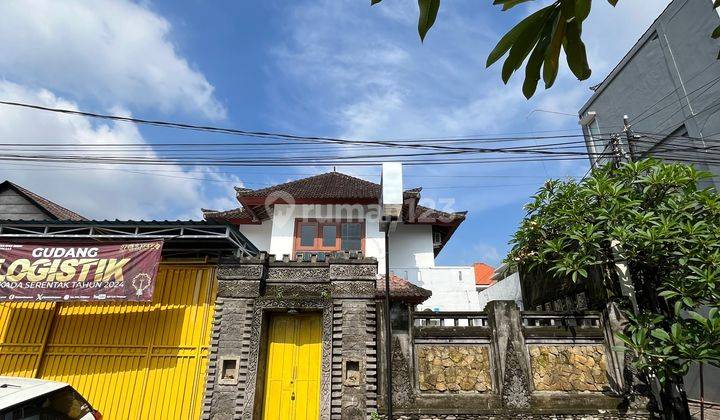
(318, 242)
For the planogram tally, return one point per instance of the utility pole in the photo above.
(388, 328)
(616, 150)
(630, 137)
(392, 204)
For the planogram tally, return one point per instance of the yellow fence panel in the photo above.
(23, 331)
(131, 361)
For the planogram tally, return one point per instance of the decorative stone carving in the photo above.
(349, 288)
(353, 271)
(403, 395)
(458, 368)
(238, 288)
(300, 274)
(569, 368)
(240, 272)
(515, 390)
(295, 290)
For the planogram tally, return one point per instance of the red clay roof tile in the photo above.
(483, 274)
(402, 290)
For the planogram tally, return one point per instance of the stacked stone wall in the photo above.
(569, 367)
(443, 368)
(511, 365)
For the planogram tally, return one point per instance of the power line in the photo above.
(223, 130)
(260, 134)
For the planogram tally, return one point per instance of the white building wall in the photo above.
(375, 243)
(453, 288)
(411, 249)
(259, 235)
(506, 289)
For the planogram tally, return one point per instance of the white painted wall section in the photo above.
(506, 289)
(411, 249)
(453, 288)
(259, 235)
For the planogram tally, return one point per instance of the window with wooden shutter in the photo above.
(329, 235)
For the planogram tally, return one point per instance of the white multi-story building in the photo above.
(334, 212)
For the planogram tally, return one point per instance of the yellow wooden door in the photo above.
(130, 360)
(292, 379)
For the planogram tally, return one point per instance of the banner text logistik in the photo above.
(59, 269)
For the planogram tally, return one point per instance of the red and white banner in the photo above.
(78, 271)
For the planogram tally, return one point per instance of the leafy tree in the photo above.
(541, 36)
(667, 231)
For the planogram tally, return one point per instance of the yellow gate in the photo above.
(131, 361)
(292, 380)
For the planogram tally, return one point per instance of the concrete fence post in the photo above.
(510, 354)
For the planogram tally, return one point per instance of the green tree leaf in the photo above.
(551, 64)
(508, 40)
(716, 33)
(575, 51)
(582, 9)
(509, 4)
(660, 334)
(697, 317)
(669, 236)
(428, 14)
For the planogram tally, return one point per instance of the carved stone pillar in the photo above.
(239, 284)
(510, 354)
(353, 285)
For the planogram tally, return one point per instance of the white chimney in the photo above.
(392, 189)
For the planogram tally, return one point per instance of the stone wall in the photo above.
(569, 367)
(443, 368)
(508, 364)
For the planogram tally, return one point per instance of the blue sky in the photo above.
(321, 67)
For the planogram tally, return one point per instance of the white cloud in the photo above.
(368, 76)
(110, 51)
(379, 81)
(376, 80)
(488, 254)
(100, 190)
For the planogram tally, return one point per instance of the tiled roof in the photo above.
(327, 185)
(237, 213)
(54, 209)
(335, 186)
(426, 214)
(483, 274)
(402, 290)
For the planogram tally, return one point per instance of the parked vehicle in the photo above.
(37, 399)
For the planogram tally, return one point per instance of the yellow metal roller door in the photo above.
(132, 361)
